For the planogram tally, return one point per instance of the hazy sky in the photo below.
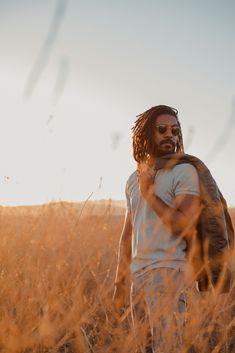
(74, 75)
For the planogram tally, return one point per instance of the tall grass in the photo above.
(57, 268)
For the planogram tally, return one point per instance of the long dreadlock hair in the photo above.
(143, 143)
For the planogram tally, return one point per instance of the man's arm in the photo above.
(123, 264)
(182, 218)
(124, 251)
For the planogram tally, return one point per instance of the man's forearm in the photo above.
(124, 259)
(173, 219)
(124, 251)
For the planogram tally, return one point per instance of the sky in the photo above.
(75, 74)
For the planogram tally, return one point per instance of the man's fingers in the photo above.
(143, 168)
(146, 175)
(152, 172)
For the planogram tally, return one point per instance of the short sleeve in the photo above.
(128, 203)
(186, 180)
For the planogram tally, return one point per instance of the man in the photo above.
(163, 209)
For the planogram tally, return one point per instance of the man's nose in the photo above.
(168, 133)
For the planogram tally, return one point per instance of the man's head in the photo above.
(157, 132)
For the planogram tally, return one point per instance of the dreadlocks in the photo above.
(143, 143)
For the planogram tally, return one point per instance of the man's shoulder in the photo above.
(132, 178)
(184, 168)
(185, 179)
(185, 173)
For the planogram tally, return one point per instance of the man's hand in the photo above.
(146, 176)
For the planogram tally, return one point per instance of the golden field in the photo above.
(57, 267)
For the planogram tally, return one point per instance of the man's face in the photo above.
(165, 135)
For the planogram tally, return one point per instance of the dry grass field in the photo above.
(57, 267)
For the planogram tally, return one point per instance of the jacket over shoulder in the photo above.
(215, 231)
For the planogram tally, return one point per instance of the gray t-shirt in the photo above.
(153, 245)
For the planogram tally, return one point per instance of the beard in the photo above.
(165, 147)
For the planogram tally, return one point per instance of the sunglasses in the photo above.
(175, 130)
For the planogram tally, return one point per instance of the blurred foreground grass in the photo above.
(57, 267)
